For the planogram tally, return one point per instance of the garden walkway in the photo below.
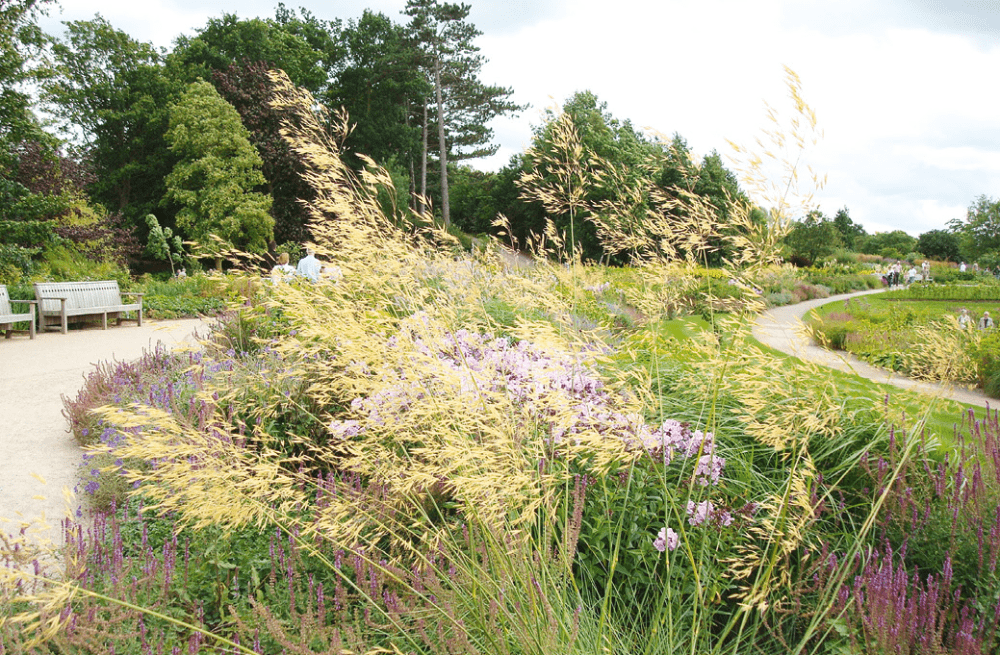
(34, 437)
(781, 328)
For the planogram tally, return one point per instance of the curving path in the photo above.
(34, 436)
(781, 328)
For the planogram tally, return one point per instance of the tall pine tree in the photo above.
(462, 105)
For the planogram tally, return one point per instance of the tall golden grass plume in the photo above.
(777, 177)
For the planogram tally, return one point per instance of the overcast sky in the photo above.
(906, 91)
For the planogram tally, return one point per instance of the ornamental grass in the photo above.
(440, 454)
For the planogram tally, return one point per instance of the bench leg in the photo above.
(31, 327)
(65, 324)
(140, 317)
(104, 320)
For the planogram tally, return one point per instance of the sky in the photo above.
(905, 91)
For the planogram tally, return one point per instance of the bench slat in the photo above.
(60, 300)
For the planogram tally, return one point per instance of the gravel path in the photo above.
(34, 437)
(781, 328)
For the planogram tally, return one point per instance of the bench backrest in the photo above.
(79, 295)
(5, 309)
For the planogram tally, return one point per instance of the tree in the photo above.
(850, 232)
(112, 93)
(463, 105)
(247, 88)
(379, 86)
(217, 171)
(813, 238)
(281, 45)
(895, 244)
(20, 40)
(980, 234)
(939, 244)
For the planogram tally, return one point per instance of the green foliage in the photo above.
(851, 233)
(218, 169)
(113, 91)
(20, 41)
(16, 263)
(979, 292)
(26, 233)
(65, 263)
(988, 364)
(305, 48)
(942, 245)
(380, 86)
(893, 245)
(980, 234)
(163, 243)
(813, 238)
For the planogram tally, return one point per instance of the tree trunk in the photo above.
(423, 163)
(442, 146)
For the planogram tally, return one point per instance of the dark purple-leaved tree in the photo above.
(247, 88)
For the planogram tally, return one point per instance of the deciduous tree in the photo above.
(111, 93)
(217, 172)
(939, 244)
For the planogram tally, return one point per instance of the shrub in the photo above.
(988, 364)
(780, 298)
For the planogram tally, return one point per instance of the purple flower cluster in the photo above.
(666, 540)
(482, 366)
(706, 512)
(598, 289)
(674, 439)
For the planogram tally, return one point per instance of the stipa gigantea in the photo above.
(561, 179)
(777, 178)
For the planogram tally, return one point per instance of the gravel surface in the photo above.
(35, 444)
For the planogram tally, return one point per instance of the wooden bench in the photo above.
(8, 317)
(59, 301)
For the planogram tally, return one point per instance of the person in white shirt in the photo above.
(964, 320)
(309, 266)
(961, 267)
(985, 322)
(282, 269)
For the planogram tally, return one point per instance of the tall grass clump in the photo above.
(437, 456)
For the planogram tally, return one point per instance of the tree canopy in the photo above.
(217, 171)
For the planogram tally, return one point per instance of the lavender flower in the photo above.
(666, 540)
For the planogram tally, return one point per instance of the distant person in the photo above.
(309, 267)
(181, 272)
(985, 322)
(925, 271)
(282, 269)
(911, 275)
(961, 267)
(964, 320)
(975, 267)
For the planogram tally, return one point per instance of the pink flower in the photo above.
(666, 540)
